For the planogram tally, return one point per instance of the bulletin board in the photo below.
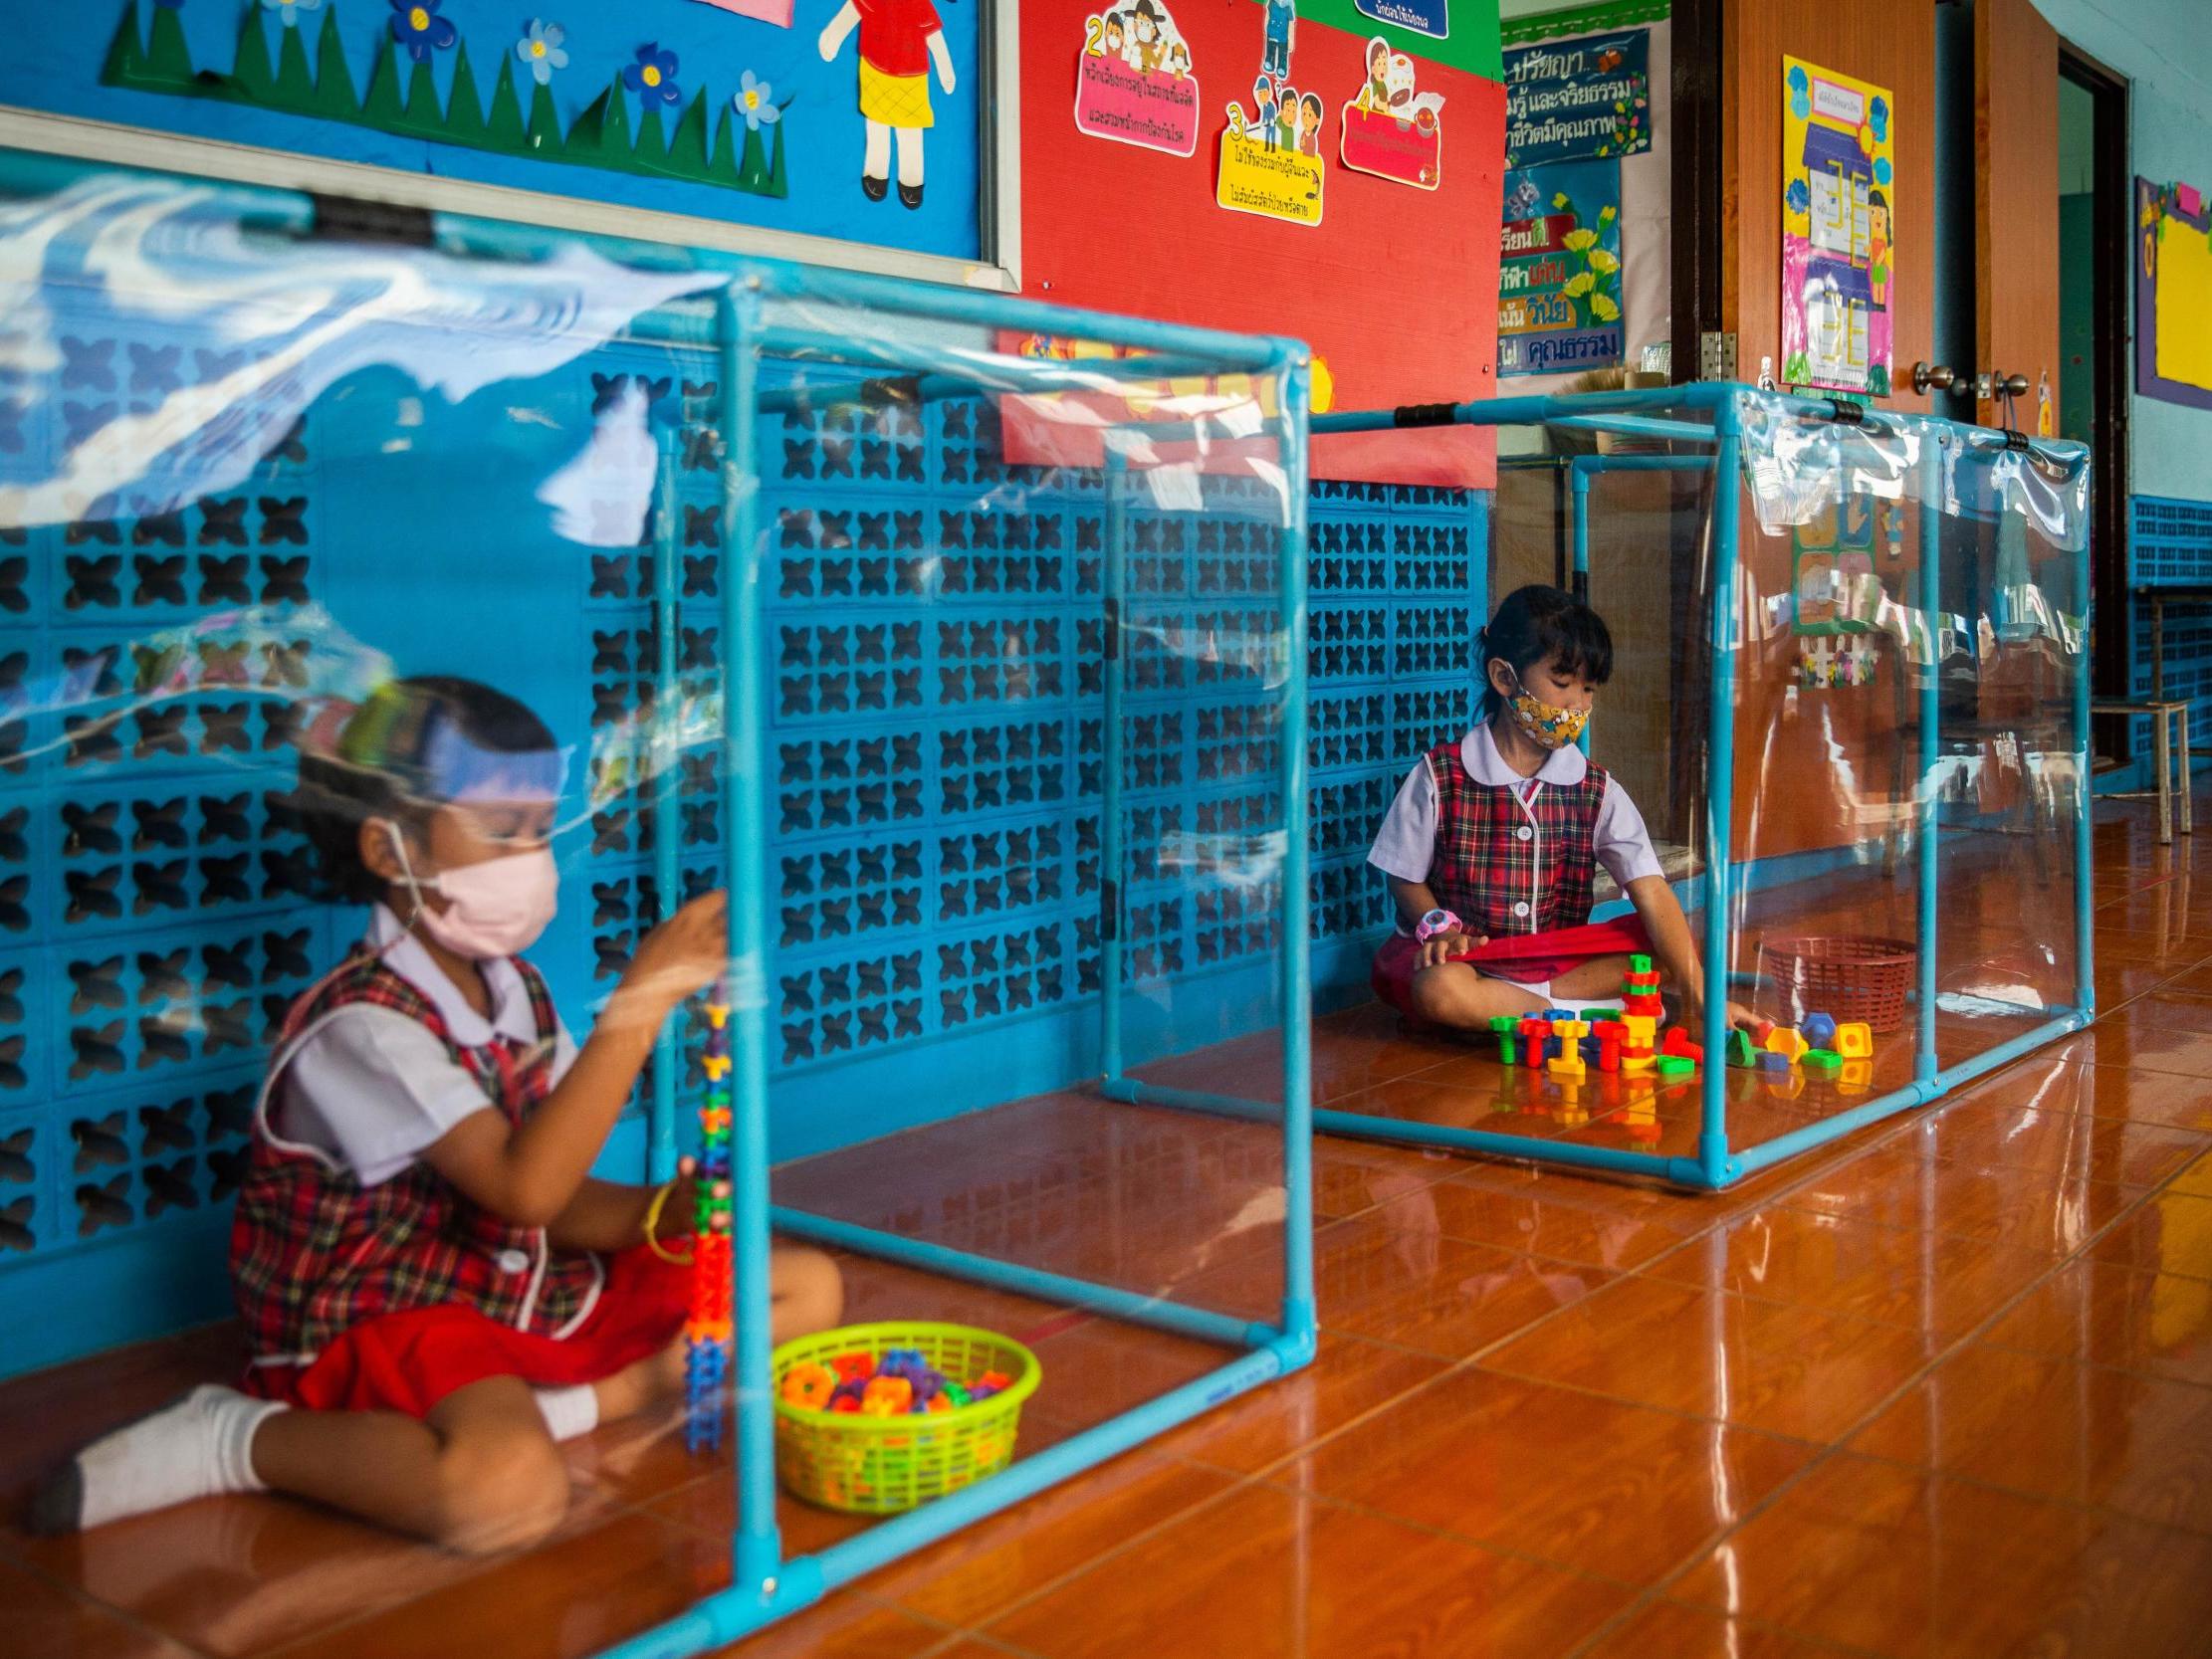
(709, 123)
(2173, 293)
(1294, 207)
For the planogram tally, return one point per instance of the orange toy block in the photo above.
(1855, 1041)
(887, 1396)
(1788, 1042)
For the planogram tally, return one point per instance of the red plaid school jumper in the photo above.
(1496, 852)
(312, 1252)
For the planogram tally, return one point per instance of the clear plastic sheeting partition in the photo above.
(1849, 696)
(960, 641)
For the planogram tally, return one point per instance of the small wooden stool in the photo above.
(2169, 730)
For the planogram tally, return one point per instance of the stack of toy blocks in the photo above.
(707, 1333)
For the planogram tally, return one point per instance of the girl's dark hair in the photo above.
(390, 760)
(1538, 624)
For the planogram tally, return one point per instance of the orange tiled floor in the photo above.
(1942, 1390)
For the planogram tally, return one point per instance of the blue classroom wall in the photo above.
(2158, 46)
(159, 924)
(56, 58)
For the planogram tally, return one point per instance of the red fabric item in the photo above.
(409, 1362)
(312, 1252)
(894, 34)
(1531, 956)
(1496, 851)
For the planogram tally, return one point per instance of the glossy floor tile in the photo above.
(1891, 1559)
(1941, 1389)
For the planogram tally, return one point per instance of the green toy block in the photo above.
(1676, 1065)
(1740, 1051)
(1822, 1060)
(1640, 965)
(1507, 1054)
(1503, 1023)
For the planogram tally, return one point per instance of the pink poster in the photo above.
(1134, 82)
(777, 12)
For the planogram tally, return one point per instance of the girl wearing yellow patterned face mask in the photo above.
(1500, 832)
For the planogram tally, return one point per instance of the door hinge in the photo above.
(1716, 356)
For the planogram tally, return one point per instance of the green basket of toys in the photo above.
(878, 1419)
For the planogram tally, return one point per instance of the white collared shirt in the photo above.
(373, 1087)
(1406, 845)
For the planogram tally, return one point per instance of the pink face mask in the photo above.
(498, 907)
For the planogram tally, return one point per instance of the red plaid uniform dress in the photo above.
(392, 1296)
(1503, 864)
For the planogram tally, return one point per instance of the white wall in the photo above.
(2164, 47)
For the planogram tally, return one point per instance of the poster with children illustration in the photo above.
(1389, 128)
(900, 41)
(1271, 159)
(1134, 82)
(1839, 196)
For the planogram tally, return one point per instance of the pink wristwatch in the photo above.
(1436, 923)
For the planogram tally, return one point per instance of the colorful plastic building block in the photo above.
(1640, 965)
(1825, 1062)
(1788, 1042)
(1773, 1059)
(809, 1386)
(1676, 1042)
(1855, 1041)
(706, 1331)
(1761, 1030)
(888, 1396)
(1819, 1029)
(1855, 1076)
(1640, 1030)
(1672, 1066)
(1741, 1050)
(1633, 1064)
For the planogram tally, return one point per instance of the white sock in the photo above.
(571, 1412)
(199, 1446)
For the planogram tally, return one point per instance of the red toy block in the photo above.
(1761, 1030)
(1608, 1055)
(1608, 1031)
(1678, 1043)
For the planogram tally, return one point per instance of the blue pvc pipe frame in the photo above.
(765, 1585)
(1659, 412)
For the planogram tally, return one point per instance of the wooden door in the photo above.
(2016, 205)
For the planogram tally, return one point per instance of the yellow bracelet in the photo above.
(652, 1228)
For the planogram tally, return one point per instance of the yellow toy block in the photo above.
(1855, 1041)
(1855, 1076)
(1635, 1064)
(1642, 1030)
(1567, 1063)
(1788, 1042)
(1571, 1030)
(716, 1066)
(1783, 1086)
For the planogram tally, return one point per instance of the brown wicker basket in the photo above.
(1847, 977)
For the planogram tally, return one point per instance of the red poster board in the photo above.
(1396, 288)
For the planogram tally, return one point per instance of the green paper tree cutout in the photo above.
(294, 89)
(463, 116)
(651, 149)
(544, 124)
(157, 58)
(424, 117)
(250, 75)
(687, 150)
(502, 128)
(168, 57)
(381, 106)
(334, 82)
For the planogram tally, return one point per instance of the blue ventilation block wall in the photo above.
(2170, 543)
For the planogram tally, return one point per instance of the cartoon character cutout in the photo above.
(1282, 29)
(1147, 43)
(1310, 130)
(900, 40)
(1878, 262)
(1114, 39)
(1375, 94)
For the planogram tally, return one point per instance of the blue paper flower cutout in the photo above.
(1801, 107)
(1799, 198)
(1797, 81)
(287, 11)
(540, 50)
(752, 102)
(1883, 170)
(653, 77)
(416, 25)
(1878, 118)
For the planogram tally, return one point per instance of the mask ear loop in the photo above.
(407, 875)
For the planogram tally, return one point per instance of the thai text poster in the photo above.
(1559, 276)
(1583, 100)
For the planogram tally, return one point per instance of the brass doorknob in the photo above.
(1938, 375)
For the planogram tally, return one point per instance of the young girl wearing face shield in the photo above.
(434, 1288)
(1500, 832)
